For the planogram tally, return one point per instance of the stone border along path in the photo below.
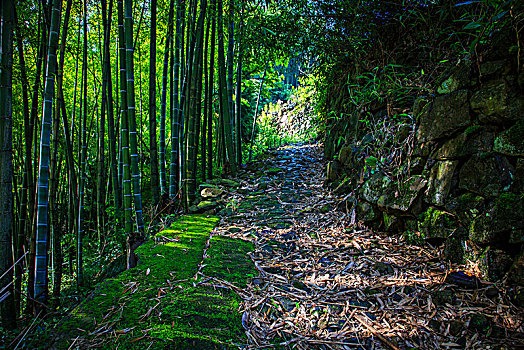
(324, 284)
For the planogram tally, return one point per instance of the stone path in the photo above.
(286, 269)
(326, 284)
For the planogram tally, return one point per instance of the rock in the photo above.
(401, 197)
(373, 188)
(491, 68)
(447, 114)
(518, 179)
(474, 140)
(466, 207)
(494, 264)
(486, 175)
(435, 223)
(211, 192)
(424, 149)
(459, 78)
(333, 170)
(365, 212)
(496, 103)
(346, 154)
(203, 206)
(440, 180)
(454, 247)
(511, 141)
(516, 271)
(503, 222)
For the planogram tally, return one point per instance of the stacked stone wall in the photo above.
(461, 182)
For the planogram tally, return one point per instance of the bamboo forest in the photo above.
(261, 174)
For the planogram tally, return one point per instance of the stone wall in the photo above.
(462, 185)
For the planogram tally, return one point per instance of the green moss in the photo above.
(472, 129)
(158, 304)
(435, 223)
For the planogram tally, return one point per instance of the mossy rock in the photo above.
(511, 141)
(502, 223)
(156, 305)
(435, 223)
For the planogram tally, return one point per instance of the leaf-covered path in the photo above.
(286, 268)
(326, 283)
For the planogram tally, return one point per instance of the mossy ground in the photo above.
(159, 304)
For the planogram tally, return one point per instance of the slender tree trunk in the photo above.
(131, 120)
(101, 178)
(83, 157)
(230, 66)
(176, 106)
(43, 174)
(27, 180)
(211, 94)
(110, 115)
(193, 112)
(60, 108)
(155, 185)
(31, 140)
(163, 103)
(203, 153)
(224, 102)
(256, 112)
(7, 306)
(238, 113)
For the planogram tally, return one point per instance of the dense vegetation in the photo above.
(113, 112)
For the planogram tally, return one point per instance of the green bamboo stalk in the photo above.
(124, 142)
(155, 181)
(163, 103)
(40, 282)
(176, 112)
(131, 119)
(224, 101)
(193, 112)
(211, 94)
(83, 157)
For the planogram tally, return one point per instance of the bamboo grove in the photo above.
(111, 111)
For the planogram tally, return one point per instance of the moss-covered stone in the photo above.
(495, 102)
(157, 305)
(374, 188)
(472, 141)
(435, 223)
(447, 114)
(502, 223)
(511, 141)
(440, 180)
(401, 196)
(487, 175)
(466, 207)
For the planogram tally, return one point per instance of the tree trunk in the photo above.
(43, 174)
(7, 306)
(155, 183)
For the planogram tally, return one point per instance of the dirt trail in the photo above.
(326, 284)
